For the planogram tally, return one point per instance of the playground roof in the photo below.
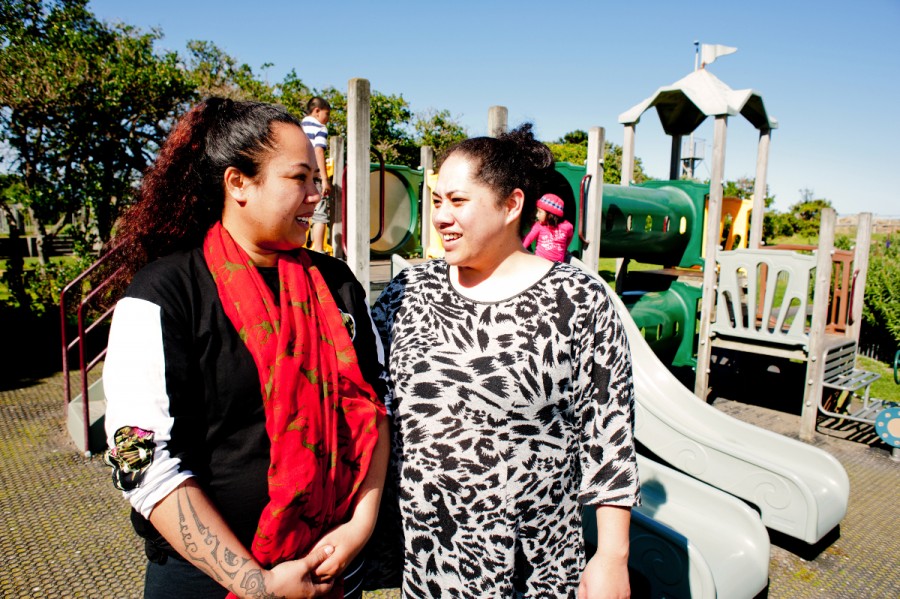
(686, 103)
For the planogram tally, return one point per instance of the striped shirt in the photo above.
(315, 131)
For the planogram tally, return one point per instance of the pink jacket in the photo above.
(551, 241)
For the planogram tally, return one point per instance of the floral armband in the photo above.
(130, 457)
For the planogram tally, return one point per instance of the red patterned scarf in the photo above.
(321, 414)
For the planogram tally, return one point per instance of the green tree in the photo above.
(807, 213)
(742, 189)
(438, 129)
(390, 121)
(391, 131)
(571, 153)
(572, 148)
(12, 191)
(881, 310)
(612, 166)
(293, 94)
(777, 224)
(577, 137)
(84, 105)
(213, 72)
(396, 131)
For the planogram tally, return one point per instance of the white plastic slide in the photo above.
(688, 539)
(798, 489)
(691, 540)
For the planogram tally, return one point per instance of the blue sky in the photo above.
(828, 70)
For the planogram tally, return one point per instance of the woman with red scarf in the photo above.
(245, 410)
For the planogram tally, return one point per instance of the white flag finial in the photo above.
(710, 52)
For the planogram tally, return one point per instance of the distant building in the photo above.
(880, 225)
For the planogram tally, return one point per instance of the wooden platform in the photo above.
(689, 274)
(774, 349)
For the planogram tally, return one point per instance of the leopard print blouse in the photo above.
(507, 417)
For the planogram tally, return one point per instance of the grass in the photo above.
(607, 268)
(30, 264)
(883, 388)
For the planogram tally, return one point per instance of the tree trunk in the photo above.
(103, 219)
(41, 241)
(14, 277)
(45, 238)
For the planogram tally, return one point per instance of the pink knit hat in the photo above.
(551, 204)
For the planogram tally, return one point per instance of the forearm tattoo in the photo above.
(253, 585)
(203, 549)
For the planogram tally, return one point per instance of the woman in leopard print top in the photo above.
(513, 397)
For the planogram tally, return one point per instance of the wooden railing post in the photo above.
(713, 217)
(861, 268)
(426, 159)
(336, 151)
(497, 121)
(815, 365)
(358, 189)
(594, 209)
(759, 190)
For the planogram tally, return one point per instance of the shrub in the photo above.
(881, 311)
(44, 283)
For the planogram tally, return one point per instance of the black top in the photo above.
(212, 381)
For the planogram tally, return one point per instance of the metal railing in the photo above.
(86, 323)
(380, 231)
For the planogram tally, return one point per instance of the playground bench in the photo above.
(841, 374)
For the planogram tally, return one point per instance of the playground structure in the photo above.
(710, 459)
(669, 222)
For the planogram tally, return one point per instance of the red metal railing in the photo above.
(85, 325)
(380, 231)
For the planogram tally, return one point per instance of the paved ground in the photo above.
(64, 530)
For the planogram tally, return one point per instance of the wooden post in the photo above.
(336, 151)
(594, 209)
(861, 266)
(358, 145)
(759, 190)
(628, 155)
(815, 364)
(710, 266)
(675, 162)
(426, 158)
(497, 116)
(625, 181)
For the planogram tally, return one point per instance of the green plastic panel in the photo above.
(402, 232)
(658, 222)
(668, 321)
(696, 194)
